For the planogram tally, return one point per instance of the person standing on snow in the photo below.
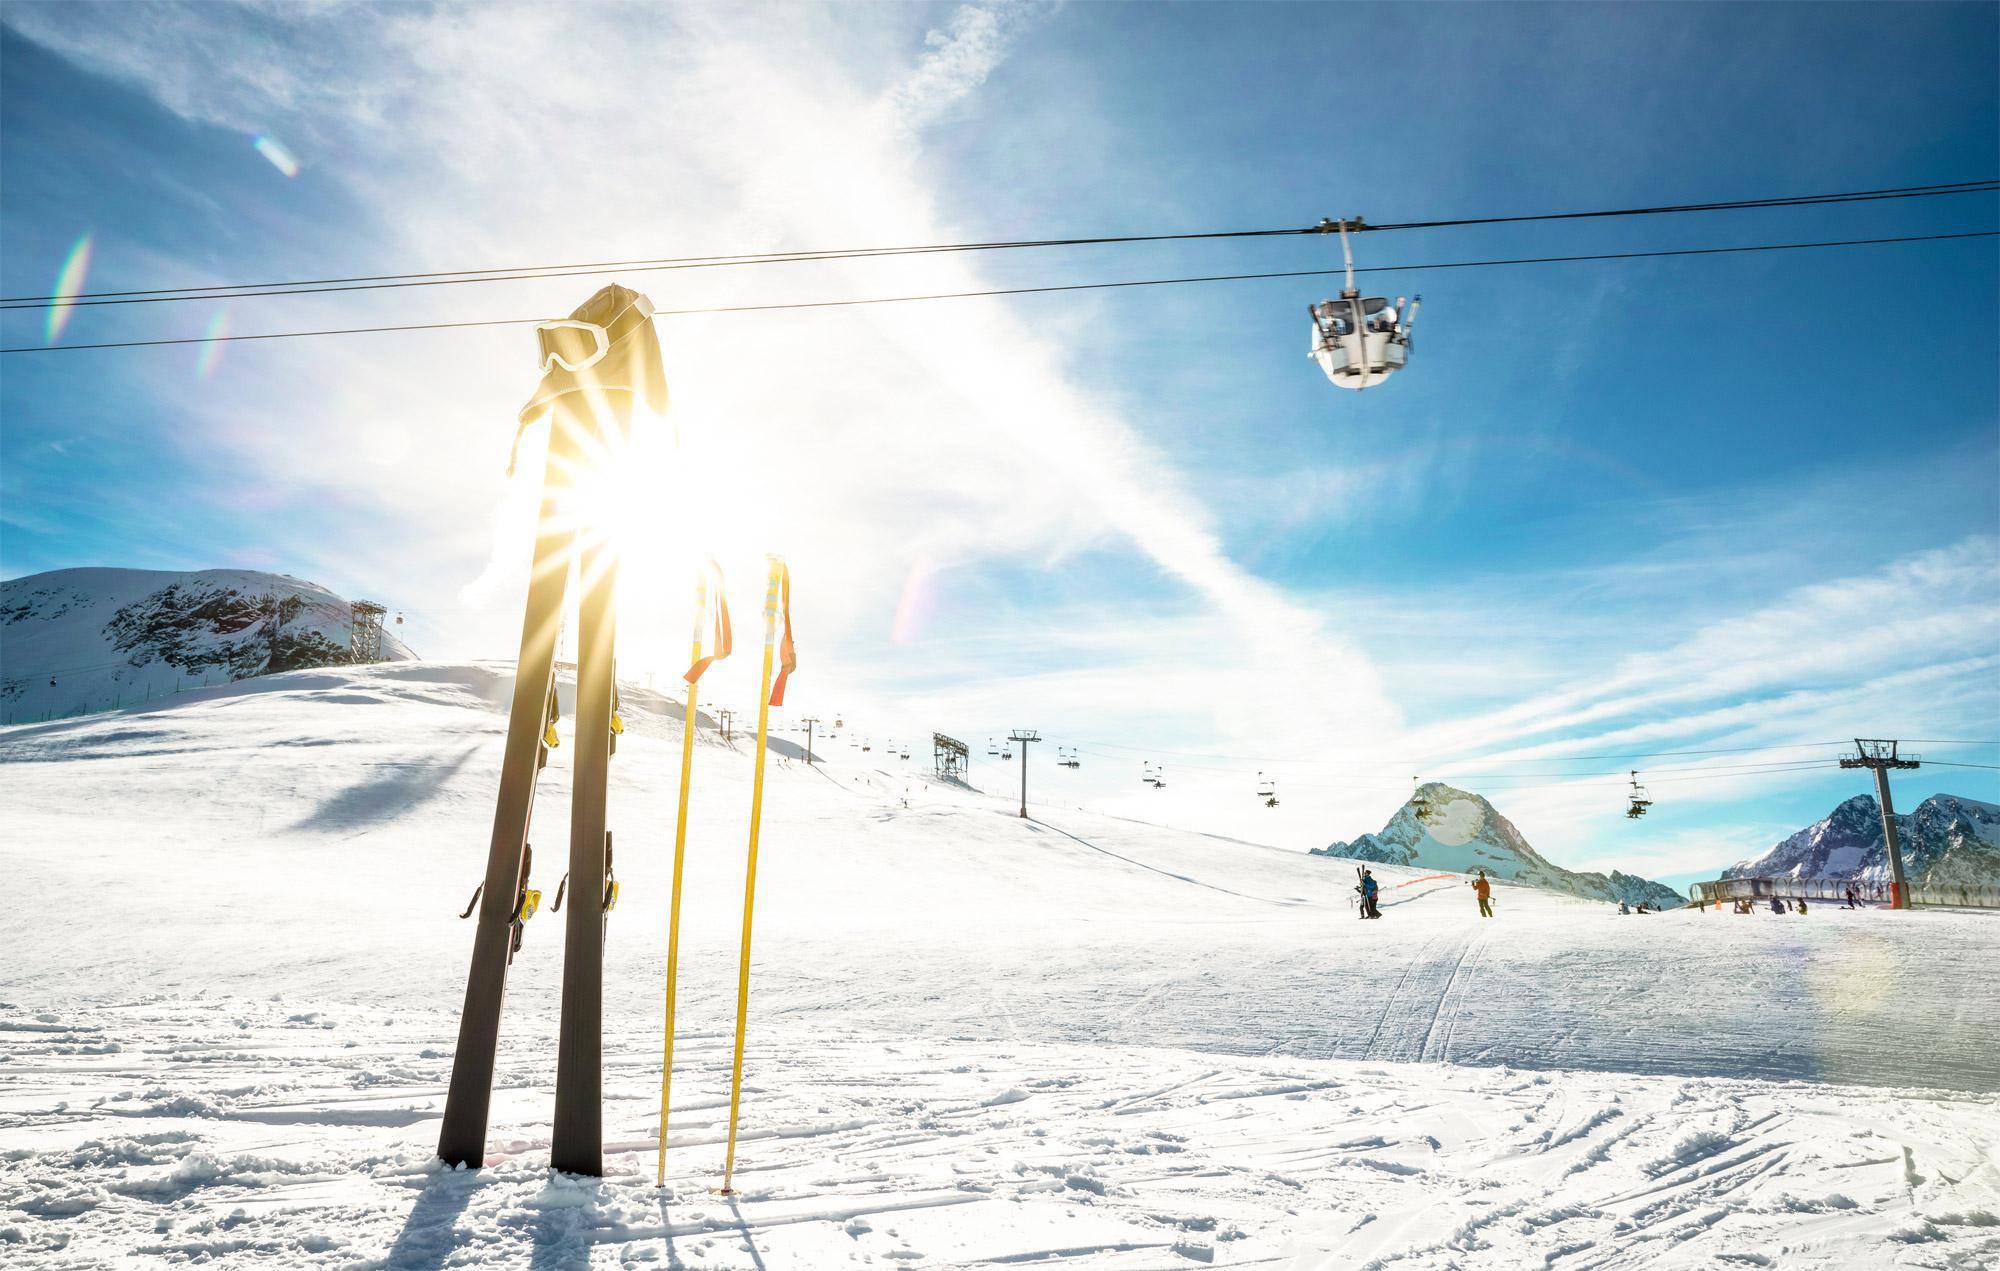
(1483, 889)
(1369, 888)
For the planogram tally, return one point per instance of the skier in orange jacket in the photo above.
(1483, 888)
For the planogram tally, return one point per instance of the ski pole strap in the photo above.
(778, 600)
(473, 903)
(711, 610)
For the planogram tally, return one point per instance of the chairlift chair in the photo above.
(1359, 341)
(1639, 800)
(1420, 803)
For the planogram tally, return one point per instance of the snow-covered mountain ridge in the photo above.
(1948, 839)
(1463, 833)
(90, 639)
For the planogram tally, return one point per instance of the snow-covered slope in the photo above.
(91, 639)
(1464, 833)
(1948, 839)
(234, 964)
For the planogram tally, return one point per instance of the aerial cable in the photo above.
(451, 277)
(1808, 200)
(1636, 754)
(1020, 291)
(1369, 771)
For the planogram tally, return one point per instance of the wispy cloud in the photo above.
(957, 59)
(872, 443)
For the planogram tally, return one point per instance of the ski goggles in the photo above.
(576, 345)
(571, 344)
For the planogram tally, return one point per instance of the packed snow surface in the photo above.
(233, 968)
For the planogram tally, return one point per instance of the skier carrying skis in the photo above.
(1369, 889)
(1483, 888)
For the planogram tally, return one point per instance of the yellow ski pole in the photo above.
(777, 578)
(680, 858)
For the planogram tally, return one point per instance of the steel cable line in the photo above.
(1638, 754)
(1374, 769)
(1022, 291)
(452, 277)
(1807, 200)
(1599, 781)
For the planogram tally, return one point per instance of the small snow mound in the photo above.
(1698, 1146)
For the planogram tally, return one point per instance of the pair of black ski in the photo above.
(577, 1145)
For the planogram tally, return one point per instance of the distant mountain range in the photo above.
(1947, 839)
(90, 639)
(1464, 832)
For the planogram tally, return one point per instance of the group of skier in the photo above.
(1370, 892)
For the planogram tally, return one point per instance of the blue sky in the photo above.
(1611, 509)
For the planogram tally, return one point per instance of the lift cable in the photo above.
(1381, 772)
(1016, 291)
(516, 273)
(1271, 760)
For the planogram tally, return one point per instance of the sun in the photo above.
(664, 512)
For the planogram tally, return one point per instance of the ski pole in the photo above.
(680, 857)
(779, 580)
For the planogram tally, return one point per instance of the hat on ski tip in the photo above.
(607, 346)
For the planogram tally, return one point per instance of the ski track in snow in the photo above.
(230, 994)
(185, 1129)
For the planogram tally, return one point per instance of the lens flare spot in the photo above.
(211, 345)
(919, 597)
(69, 281)
(1457, 823)
(281, 158)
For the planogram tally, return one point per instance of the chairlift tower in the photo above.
(364, 631)
(1880, 755)
(1023, 737)
(811, 722)
(950, 755)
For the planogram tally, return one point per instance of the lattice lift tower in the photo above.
(364, 631)
(950, 754)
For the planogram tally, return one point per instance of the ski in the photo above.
(530, 730)
(577, 1146)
